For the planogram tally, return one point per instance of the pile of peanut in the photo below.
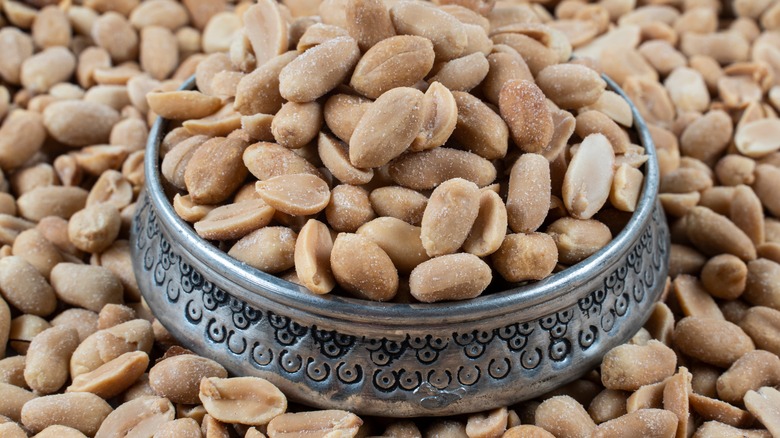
(80, 352)
(414, 133)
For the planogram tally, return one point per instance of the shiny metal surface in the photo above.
(399, 360)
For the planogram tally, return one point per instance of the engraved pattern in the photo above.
(414, 366)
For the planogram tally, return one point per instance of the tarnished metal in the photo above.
(399, 360)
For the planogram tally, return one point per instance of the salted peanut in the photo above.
(524, 108)
(219, 32)
(528, 198)
(626, 186)
(349, 208)
(446, 428)
(328, 422)
(767, 178)
(267, 160)
(48, 356)
(5, 331)
(215, 170)
(399, 202)
(266, 29)
(578, 239)
(90, 287)
(595, 122)
(269, 249)
(373, 276)
(763, 404)
(694, 299)
(427, 21)
(335, 156)
(79, 123)
(25, 288)
(450, 277)
(14, 398)
(489, 229)
(33, 176)
(296, 124)
(725, 276)
(43, 70)
(387, 128)
(13, 430)
(129, 132)
(32, 246)
(159, 52)
(398, 61)
(143, 416)
(246, 400)
(565, 124)
(183, 104)
(233, 221)
(177, 378)
(614, 106)
(258, 91)
(113, 377)
(296, 194)
(762, 324)
(628, 367)
(342, 112)
(646, 397)
(478, 128)
(258, 126)
(317, 33)
(588, 179)
(159, 13)
(183, 427)
(687, 89)
(94, 228)
(85, 322)
(55, 230)
(368, 22)
(747, 213)
(323, 67)
(655, 423)
(571, 86)
(113, 32)
(464, 73)
(18, 46)
(651, 100)
(662, 55)
(769, 251)
(114, 314)
(21, 137)
(724, 47)
(675, 399)
(208, 68)
(57, 430)
(608, 405)
(105, 345)
(719, 429)
(715, 234)
(752, 371)
(707, 137)
(523, 257)
(718, 199)
(505, 65)
(621, 63)
(563, 416)
(733, 170)
(312, 257)
(449, 215)
(111, 188)
(697, 337)
(487, 424)
(761, 288)
(426, 170)
(535, 52)
(79, 410)
(398, 239)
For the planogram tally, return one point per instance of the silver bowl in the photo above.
(399, 360)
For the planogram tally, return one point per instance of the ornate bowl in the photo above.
(399, 360)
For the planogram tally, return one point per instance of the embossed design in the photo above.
(436, 370)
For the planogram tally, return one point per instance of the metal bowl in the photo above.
(399, 360)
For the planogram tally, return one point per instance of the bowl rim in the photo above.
(256, 285)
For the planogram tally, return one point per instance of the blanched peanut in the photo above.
(46, 365)
(563, 416)
(523, 257)
(258, 92)
(318, 70)
(763, 404)
(298, 194)
(246, 400)
(715, 234)
(233, 221)
(628, 367)
(588, 178)
(368, 22)
(440, 117)
(489, 227)
(32, 246)
(428, 169)
(80, 410)
(762, 287)
(449, 216)
(767, 178)
(105, 345)
(297, 124)
(442, 29)
(578, 239)
(51, 201)
(215, 170)
(326, 422)
(59, 431)
(747, 213)
(464, 73)
(267, 160)
(655, 423)
(400, 240)
(5, 327)
(143, 416)
(725, 276)
(25, 288)
(80, 122)
(694, 299)
(90, 287)
(114, 314)
(479, 128)
(487, 424)
(626, 186)
(14, 398)
(707, 137)
(113, 377)
(180, 428)
(349, 208)
(373, 276)
(450, 277)
(312, 257)
(269, 249)
(528, 198)
(608, 405)
(21, 136)
(177, 378)
(524, 109)
(713, 341)
(43, 70)
(95, 228)
(83, 321)
(398, 61)
(571, 86)
(750, 372)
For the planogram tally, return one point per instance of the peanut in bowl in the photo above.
(399, 359)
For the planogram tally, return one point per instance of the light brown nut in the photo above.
(90, 287)
(489, 228)
(368, 22)
(747, 213)
(342, 112)
(21, 137)
(183, 428)
(750, 372)
(45, 69)
(129, 132)
(725, 276)
(565, 124)
(523, 257)
(626, 187)
(113, 32)
(450, 277)
(725, 47)
(398, 61)
(767, 178)
(762, 324)
(113, 377)
(246, 400)
(80, 410)
(707, 137)
(105, 345)
(629, 367)
(398, 202)
(183, 104)
(676, 399)
(318, 70)
(325, 422)
(349, 208)
(487, 424)
(717, 199)
(505, 65)
(258, 91)
(23, 329)
(464, 73)
(398, 239)
(732, 170)
(17, 46)
(614, 106)
(79, 123)
(94, 228)
(446, 428)
(297, 194)
(111, 188)
(608, 405)
(622, 63)
(697, 337)
(233, 221)
(269, 249)
(715, 234)
(769, 251)
(215, 170)
(312, 257)
(479, 129)
(402, 428)
(159, 13)
(442, 29)
(159, 51)
(588, 179)
(258, 126)
(714, 409)
(387, 128)
(32, 246)
(595, 122)
(5, 331)
(662, 55)
(763, 404)
(335, 156)
(571, 86)
(14, 398)
(114, 314)
(426, 170)
(46, 365)
(143, 416)
(317, 34)
(719, 429)
(177, 378)
(25, 288)
(373, 276)
(763, 286)
(563, 416)
(756, 139)
(528, 198)
(268, 160)
(266, 29)
(524, 108)
(82, 320)
(687, 90)
(536, 54)
(297, 124)
(656, 423)
(578, 239)
(33, 176)
(694, 299)
(449, 216)
(56, 430)
(651, 100)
